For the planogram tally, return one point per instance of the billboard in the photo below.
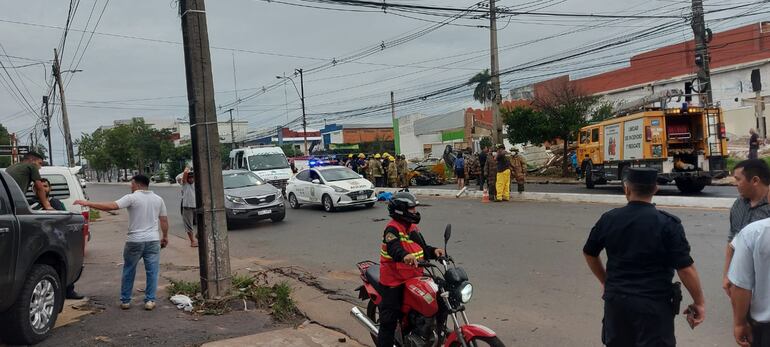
(611, 145)
(633, 137)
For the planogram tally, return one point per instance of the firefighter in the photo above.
(392, 174)
(375, 165)
(369, 169)
(519, 169)
(403, 171)
(402, 249)
(503, 180)
(490, 171)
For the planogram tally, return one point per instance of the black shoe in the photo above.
(73, 295)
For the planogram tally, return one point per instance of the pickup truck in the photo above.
(41, 253)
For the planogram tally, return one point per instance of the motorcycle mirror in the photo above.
(447, 234)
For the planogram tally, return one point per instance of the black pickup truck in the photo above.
(41, 253)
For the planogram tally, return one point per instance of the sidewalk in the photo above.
(98, 320)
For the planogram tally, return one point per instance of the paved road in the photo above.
(612, 189)
(531, 282)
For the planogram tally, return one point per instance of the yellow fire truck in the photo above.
(686, 145)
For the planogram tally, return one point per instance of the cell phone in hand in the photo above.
(692, 315)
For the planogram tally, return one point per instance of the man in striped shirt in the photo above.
(752, 178)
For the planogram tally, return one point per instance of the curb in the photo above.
(673, 201)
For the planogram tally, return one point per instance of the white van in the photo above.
(269, 163)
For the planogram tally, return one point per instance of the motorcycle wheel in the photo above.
(482, 341)
(373, 313)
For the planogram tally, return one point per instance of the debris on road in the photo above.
(182, 302)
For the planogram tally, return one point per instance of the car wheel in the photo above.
(230, 224)
(33, 315)
(293, 202)
(369, 205)
(326, 200)
(413, 181)
(279, 217)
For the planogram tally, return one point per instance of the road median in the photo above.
(672, 201)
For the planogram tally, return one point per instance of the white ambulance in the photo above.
(268, 162)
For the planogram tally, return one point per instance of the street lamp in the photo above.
(301, 93)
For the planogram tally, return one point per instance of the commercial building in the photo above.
(421, 136)
(284, 136)
(736, 54)
(354, 136)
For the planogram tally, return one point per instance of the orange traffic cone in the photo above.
(485, 197)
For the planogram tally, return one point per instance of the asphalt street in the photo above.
(531, 282)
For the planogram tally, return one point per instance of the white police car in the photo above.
(331, 187)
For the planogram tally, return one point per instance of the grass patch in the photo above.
(255, 288)
(191, 289)
(93, 215)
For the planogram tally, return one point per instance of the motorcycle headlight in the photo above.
(466, 292)
(235, 200)
(339, 190)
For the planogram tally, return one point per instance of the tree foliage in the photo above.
(482, 83)
(485, 142)
(603, 111)
(135, 145)
(559, 112)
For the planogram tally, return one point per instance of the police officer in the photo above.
(644, 246)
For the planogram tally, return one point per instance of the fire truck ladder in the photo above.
(712, 120)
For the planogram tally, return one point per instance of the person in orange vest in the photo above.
(403, 247)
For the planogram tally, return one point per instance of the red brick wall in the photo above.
(737, 46)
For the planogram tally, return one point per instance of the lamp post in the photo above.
(301, 93)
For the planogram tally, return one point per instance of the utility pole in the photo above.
(396, 134)
(232, 130)
(302, 98)
(702, 58)
(497, 134)
(48, 130)
(64, 118)
(213, 247)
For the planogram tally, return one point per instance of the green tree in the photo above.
(537, 130)
(92, 148)
(485, 142)
(482, 83)
(559, 112)
(603, 111)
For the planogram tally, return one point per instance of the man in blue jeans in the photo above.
(146, 211)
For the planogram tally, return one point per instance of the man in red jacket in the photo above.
(402, 249)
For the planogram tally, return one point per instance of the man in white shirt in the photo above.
(750, 276)
(146, 211)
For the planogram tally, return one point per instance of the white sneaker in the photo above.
(125, 306)
(149, 306)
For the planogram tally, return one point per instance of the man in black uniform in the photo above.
(644, 246)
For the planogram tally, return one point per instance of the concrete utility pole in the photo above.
(232, 130)
(497, 134)
(302, 98)
(48, 130)
(213, 247)
(396, 134)
(64, 118)
(702, 58)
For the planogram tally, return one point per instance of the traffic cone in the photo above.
(485, 196)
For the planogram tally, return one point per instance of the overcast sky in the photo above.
(125, 77)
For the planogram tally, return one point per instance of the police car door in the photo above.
(315, 190)
(302, 184)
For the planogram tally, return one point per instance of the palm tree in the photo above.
(483, 89)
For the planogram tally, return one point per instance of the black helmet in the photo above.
(398, 208)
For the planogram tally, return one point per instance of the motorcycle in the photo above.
(428, 302)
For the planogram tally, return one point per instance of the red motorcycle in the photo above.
(428, 302)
